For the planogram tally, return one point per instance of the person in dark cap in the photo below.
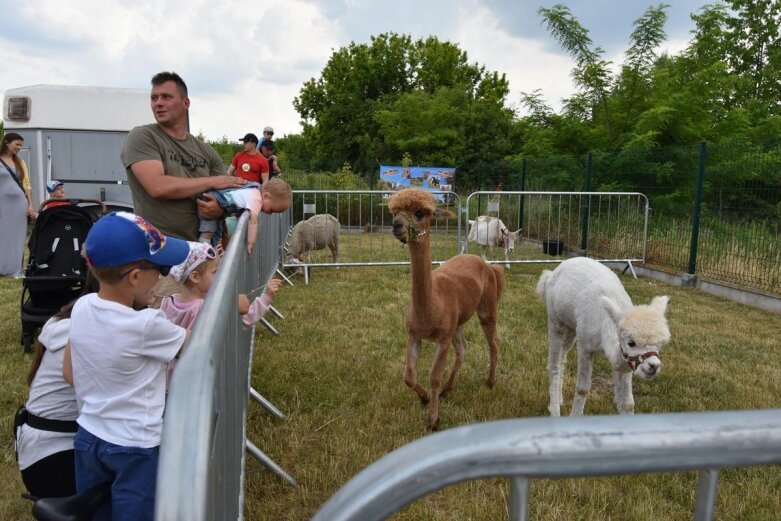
(249, 164)
(267, 151)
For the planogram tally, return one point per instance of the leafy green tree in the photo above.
(224, 148)
(755, 54)
(633, 85)
(591, 73)
(374, 102)
(293, 152)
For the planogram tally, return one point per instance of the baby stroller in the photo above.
(55, 271)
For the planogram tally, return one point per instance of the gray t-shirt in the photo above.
(189, 157)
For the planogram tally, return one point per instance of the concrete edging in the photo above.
(720, 289)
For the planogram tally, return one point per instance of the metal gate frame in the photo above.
(524, 449)
(309, 209)
(585, 217)
(588, 200)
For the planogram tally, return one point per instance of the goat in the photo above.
(490, 232)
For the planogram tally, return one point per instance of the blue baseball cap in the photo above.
(123, 237)
(51, 186)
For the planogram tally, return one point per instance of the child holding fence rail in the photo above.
(272, 197)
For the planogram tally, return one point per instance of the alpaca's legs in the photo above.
(556, 357)
(625, 402)
(460, 344)
(410, 376)
(559, 343)
(435, 381)
(488, 323)
(583, 384)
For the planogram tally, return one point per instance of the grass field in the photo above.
(336, 373)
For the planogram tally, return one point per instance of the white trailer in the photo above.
(75, 134)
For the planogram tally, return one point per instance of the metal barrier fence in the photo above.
(201, 468)
(363, 231)
(561, 447)
(609, 226)
(202, 456)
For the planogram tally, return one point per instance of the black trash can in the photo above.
(553, 247)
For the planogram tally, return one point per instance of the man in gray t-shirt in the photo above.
(167, 166)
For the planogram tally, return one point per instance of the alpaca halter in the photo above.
(413, 232)
(635, 361)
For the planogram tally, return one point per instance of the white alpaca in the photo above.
(588, 305)
(490, 232)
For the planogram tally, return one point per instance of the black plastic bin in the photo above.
(553, 247)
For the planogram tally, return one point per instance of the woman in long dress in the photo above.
(15, 204)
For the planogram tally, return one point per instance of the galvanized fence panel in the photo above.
(608, 226)
(362, 227)
(201, 469)
(524, 449)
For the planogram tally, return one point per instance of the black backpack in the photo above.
(56, 241)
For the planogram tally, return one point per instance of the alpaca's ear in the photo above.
(659, 304)
(439, 214)
(611, 307)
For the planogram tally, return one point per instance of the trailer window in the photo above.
(18, 109)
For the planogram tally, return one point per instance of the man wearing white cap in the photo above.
(268, 133)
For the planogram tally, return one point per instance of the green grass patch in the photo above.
(335, 371)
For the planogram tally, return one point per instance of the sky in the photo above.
(244, 61)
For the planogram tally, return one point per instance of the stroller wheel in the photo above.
(27, 341)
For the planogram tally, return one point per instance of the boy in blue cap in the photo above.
(116, 362)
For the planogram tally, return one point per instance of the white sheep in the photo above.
(316, 233)
(588, 305)
(490, 232)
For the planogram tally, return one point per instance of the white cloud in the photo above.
(527, 64)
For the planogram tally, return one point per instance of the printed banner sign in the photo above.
(433, 179)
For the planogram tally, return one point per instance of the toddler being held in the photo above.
(272, 197)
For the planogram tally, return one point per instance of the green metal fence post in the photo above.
(586, 207)
(522, 189)
(696, 213)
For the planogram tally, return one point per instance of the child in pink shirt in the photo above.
(197, 273)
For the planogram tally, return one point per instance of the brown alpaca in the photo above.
(443, 299)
